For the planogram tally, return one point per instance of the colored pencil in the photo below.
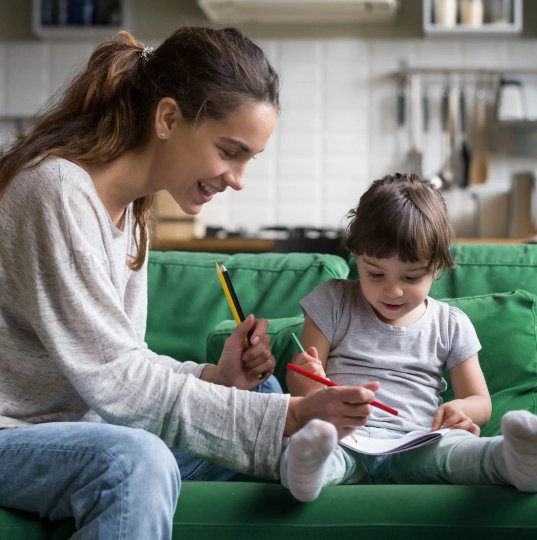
(231, 296)
(328, 382)
(233, 301)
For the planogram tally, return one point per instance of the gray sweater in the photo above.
(72, 325)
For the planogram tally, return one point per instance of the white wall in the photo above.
(337, 130)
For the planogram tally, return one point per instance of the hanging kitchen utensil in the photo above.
(401, 120)
(444, 178)
(510, 104)
(465, 148)
(425, 109)
(414, 157)
(453, 113)
(479, 164)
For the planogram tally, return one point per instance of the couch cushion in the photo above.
(488, 268)
(186, 300)
(17, 525)
(506, 326)
(243, 510)
(281, 342)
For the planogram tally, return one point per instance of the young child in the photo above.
(384, 327)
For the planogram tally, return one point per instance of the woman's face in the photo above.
(196, 162)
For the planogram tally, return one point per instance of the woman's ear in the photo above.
(167, 115)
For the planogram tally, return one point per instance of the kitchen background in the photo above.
(360, 99)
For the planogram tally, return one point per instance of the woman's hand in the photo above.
(242, 368)
(451, 415)
(347, 407)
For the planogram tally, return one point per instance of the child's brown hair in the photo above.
(401, 215)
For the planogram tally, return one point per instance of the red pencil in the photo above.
(328, 382)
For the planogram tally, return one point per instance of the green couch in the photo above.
(189, 318)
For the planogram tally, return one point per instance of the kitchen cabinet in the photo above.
(78, 19)
(458, 18)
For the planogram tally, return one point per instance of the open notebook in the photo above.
(375, 447)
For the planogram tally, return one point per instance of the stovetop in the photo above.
(275, 232)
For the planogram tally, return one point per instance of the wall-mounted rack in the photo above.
(467, 73)
(487, 79)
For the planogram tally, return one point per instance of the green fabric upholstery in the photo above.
(489, 268)
(506, 326)
(15, 525)
(186, 299)
(246, 511)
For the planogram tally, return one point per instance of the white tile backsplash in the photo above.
(337, 129)
(3, 81)
(65, 62)
(28, 78)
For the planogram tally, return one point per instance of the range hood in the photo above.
(298, 11)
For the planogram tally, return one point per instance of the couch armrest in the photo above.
(281, 342)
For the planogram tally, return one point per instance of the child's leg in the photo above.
(313, 459)
(461, 458)
(457, 458)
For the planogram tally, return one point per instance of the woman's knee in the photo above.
(144, 460)
(142, 447)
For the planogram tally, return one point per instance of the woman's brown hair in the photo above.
(401, 215)
(109, 106)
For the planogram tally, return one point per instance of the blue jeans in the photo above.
(116, 482)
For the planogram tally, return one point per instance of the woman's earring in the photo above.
(163, 135)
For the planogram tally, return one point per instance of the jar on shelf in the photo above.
(472, 13)
(445, 13)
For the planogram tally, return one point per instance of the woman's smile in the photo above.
(207, 190)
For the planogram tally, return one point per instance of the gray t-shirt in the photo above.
(72, 324)
(408, 361)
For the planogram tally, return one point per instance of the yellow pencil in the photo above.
(231, 297)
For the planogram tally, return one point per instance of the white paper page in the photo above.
(371, 446)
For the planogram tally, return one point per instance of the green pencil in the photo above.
(297, 341)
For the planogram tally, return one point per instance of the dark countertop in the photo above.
(261, 245)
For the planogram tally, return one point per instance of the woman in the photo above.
(89, 413)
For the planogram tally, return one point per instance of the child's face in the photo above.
(396, 290)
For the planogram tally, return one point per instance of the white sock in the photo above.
(519, 430)
(308, 454)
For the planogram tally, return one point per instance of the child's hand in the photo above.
(309, 361)
(451, 415)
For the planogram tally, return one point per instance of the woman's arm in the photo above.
(471, 407)
(314, 359)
